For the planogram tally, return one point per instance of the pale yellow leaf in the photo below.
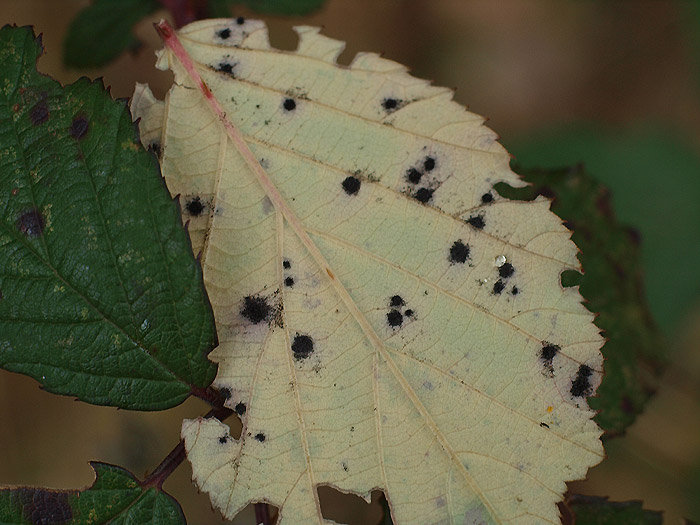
(445, 378)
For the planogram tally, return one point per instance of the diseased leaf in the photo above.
(612, 284)
(593, 510)
(104, 30)
(100, 296)
(116, 497)
(386, 319)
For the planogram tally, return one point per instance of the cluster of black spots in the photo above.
(31, 223)
(223, 34)
(394, 318)
(223, 440)
(581, 385)
(351, 185)
(289, 104)
(345, 466)
(225, 392)
(39, 113)
(486, 198)
(288, 280)
(423, 195)
(547, 354)
(506, 270)
(79, 128)
(256, 309)
(498, 287)
(240, 408)
(459, 252)
(240, 20)
(515, 291)
(194, 206)
(476, 221)
(302, 346)
(429, 164)
(260, 437)
(225, 67)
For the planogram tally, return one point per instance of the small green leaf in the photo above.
(593, 510)
(116, 497)
(613, 286)
(222, 8)
(104, 30)
(100, 296)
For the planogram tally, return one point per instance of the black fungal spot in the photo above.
(396, 300)
(423, 195)
(345, 466)
(498, 287)
(544, 425)
(351, 185)
(223, 439)
(289, 104)
(394, 318)
(240, 408)
(506, 270)
(547, 354)
(225, 67)
(194, 207)
(413, 176)
(459, 253)
(224, 33)
(31, 223)
(476, 221)
(390, 103)
(240, 20)
(429, 164)
(289, 281)
(39, 113)
(515, 291)
(79, 128)
(256, 309)
(486, 198)
(286, 264)
(302, 346)
(409, 313)
(260, 437)
(225, 392)
(581, 386)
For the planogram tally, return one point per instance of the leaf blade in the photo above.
(96, 266)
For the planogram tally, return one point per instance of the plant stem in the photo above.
(262, 514)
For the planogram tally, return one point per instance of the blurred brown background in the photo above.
(527, 65)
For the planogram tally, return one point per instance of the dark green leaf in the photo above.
(100, 296)
(115, 497)
(104, 30)
(613, 286)
(593, 510)
(222, 8)
(653, 176)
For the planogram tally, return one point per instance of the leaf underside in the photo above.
(100, 297)
(386, 319)
(115, 497)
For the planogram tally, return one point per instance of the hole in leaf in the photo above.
(349, 508)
